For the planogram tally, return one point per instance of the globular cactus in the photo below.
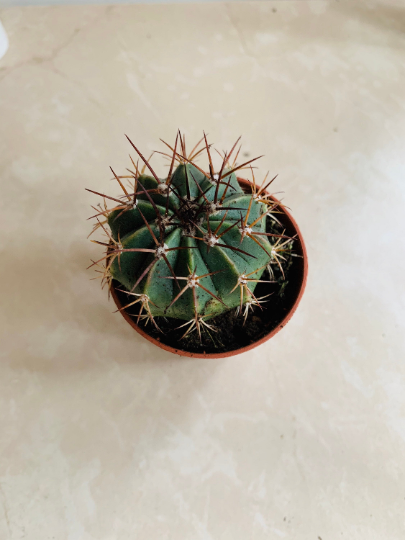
(191, 246)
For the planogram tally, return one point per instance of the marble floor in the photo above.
(104, 436)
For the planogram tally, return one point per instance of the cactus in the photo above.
(192, 246)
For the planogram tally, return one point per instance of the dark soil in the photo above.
(231, 331)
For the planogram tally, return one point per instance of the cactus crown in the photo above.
(193, 245)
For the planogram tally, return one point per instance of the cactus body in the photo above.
(193, 222)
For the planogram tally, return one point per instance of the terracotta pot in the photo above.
(298, 281)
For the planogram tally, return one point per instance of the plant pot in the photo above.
(298, 278)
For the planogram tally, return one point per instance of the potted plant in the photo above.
(202, 263)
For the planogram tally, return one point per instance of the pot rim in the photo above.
(181, 352)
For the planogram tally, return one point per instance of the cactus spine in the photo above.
(193, 245)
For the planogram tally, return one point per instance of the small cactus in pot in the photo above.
(190, 246)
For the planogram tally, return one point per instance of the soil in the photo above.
(231, 331)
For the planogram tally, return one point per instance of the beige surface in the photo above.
(105, 437)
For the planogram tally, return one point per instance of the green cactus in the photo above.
(191, 246)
